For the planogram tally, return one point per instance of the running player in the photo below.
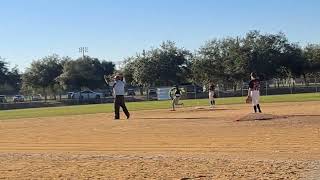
(254, 92)
(175, 94)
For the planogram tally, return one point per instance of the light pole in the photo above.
(83, 50)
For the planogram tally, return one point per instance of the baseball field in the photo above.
(194, 142)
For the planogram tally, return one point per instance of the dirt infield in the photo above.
(191, 143)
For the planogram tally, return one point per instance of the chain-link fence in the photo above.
(189, 91)
(267, 88)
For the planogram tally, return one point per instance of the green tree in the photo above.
(235, 61)
(293, 61)
(14, 79)
(85, 73)
(166, 65)
(311, 53)
(265, 52)
(145, 70)
(43, 73)
(222, 61)
(172, 63)
(3, 70)
(207, 65)
(129, 69)
(10, 80)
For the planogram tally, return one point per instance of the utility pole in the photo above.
(83, 50)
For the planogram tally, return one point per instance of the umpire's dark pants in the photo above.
(119, 102)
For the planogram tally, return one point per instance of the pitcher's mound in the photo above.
(259, 116)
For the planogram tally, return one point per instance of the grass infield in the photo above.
(147, 105)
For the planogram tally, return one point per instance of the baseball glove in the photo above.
(249, 100)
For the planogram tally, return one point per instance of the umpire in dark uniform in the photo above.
(118, 92)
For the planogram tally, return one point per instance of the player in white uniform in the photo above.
(254, 92)
(211, 95)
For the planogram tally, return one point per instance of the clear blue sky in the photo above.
(114, 29)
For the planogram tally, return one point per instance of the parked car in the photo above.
(36, 97)
(131, 92)
(18, 98)
(152, 94)
(88, 94)
(3, 99)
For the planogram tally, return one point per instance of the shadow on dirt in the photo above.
(188, 118)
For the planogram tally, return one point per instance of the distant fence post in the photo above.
(266, 88)
(195, 91)
(218, 87)
(241, 91)
(316, 84)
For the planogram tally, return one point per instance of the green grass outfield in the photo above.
(147, 105)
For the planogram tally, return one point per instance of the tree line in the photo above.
(224, 61)
(53, 75)
(10, 79)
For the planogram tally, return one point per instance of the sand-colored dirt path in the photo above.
(189, 143)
